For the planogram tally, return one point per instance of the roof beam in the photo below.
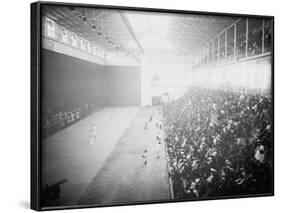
(131, 30)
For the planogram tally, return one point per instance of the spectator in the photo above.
(219, 143)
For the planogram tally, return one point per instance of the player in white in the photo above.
(158, 144)
(145, 125)
(111, 120)
(93, 133)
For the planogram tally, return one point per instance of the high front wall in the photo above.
(123, 85)
(160, 77)
(69, 82)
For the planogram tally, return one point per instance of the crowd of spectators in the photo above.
(219, 143)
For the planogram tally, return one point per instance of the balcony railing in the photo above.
(245, 39)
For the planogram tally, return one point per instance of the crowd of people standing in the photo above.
(219, 143)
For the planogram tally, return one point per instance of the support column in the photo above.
(218, 48)
(225, 43)
(213, 51)
(234, 45)
(247, 36)
(262, 45)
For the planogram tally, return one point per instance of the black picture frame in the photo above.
(36, 101)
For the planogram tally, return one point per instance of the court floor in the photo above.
(69, 154)
(112, 169)
(124, 176)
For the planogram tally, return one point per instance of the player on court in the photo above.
(151, 118)
(156, 122)
(160, 125)
(111, 120)
(93, 133)
(144, 156)
(145, 125)
(158, 137)
(157, 148)
(158, 144)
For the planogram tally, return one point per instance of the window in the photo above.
(206, 55)
(222, 47)
(267, 35)
(202, 57)
(102, 53)
(74, 40)
(51, 28)
(230, 43)
(88, 46)
(216, 52)
(93, 49)
(254, 36)
(241, 38)
(63, 35)
(82, 44)
(198, 57)
(99, 52)
(210, 52)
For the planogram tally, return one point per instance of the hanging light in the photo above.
(73, 9)
(93, 25)
(84, 18)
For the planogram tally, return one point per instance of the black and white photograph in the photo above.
(140, 106)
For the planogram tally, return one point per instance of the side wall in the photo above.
(69, 82)
(123, 85)
(253, 75)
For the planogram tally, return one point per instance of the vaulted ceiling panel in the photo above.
(140, 32)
